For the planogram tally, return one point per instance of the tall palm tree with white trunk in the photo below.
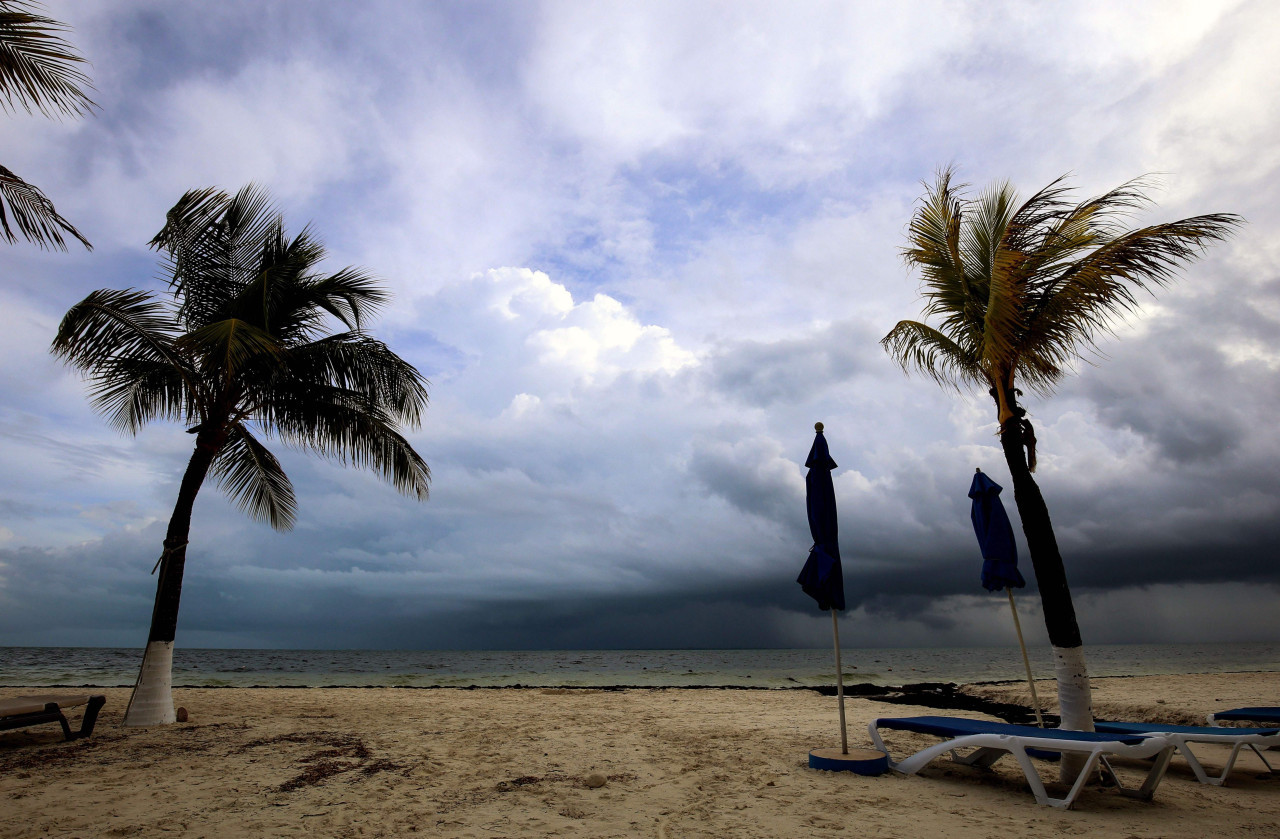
(252, 341)
(1020, 292)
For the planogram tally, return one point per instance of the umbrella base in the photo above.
(860, 761)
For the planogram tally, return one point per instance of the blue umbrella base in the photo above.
(860, 761)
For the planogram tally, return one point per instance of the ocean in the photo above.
(98, 667)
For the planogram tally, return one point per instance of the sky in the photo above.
(638, 249)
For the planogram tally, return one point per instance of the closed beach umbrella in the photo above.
(995, 535)
(999, 556)
(821, 578)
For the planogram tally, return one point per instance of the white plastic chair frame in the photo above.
(989, 748)
(1238, 742)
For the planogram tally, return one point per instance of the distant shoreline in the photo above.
(860, 689)
(872, 672)
(977, 697)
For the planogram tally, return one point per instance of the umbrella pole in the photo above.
(835, 631)
(1026, 662)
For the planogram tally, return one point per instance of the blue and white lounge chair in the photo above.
(992, 740)
(1181, 735)
(1254, 715)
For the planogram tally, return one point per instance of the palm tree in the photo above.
(243, 348)
(1021, 292)
(38, 69)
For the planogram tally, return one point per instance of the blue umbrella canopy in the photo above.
(821, 578)
(995, 535)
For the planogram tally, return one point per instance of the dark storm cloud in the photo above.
(1179, 393)
(752, 476)
(1249, 557)
(92, 595)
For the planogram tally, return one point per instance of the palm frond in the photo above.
(356, 362)
(124, 341)
(933, 236)
(214, 245)
(226, 347)
(1087, 297)
(275, 297)
(399, 464)
(998, 226)
(193, 242)
(33, 214)
(249, 220)
(253, 479)
(1068, 232)
(347, 427)
(1110, 212)
(188, 220)
(935, 246)
(924, 349)
(350, 295)
(108, 323)
(980, 239)
(39, 69)
(133, 391)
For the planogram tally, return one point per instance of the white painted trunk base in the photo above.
(152, 700)
(1075, 703)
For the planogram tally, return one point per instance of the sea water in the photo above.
(98, 667)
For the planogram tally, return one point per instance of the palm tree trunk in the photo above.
(1075, 697)
(152, 699)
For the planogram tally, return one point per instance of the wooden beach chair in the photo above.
(1181, 736)
(23, 711)
(991, 741)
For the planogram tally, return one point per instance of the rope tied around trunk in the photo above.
(165, 555)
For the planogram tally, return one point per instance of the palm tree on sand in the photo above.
(38, 70)
(1020, 292)
(243, 348)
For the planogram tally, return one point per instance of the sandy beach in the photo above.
(516, 763)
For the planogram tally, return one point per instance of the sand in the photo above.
(516, 763)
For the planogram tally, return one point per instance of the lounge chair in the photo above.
(22, 711)
(1255, 715)
(1181, 735)
(992, 740)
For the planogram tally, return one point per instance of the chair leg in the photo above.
(983, 757)
(52, 708)
(1037, 784)
(1083, 778)
(1107, 773)
(1202, 774)
(1198, 768)
(1158, 767)
(874, 733)
(90, 718)
(1256, 751)
(1033, 777)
